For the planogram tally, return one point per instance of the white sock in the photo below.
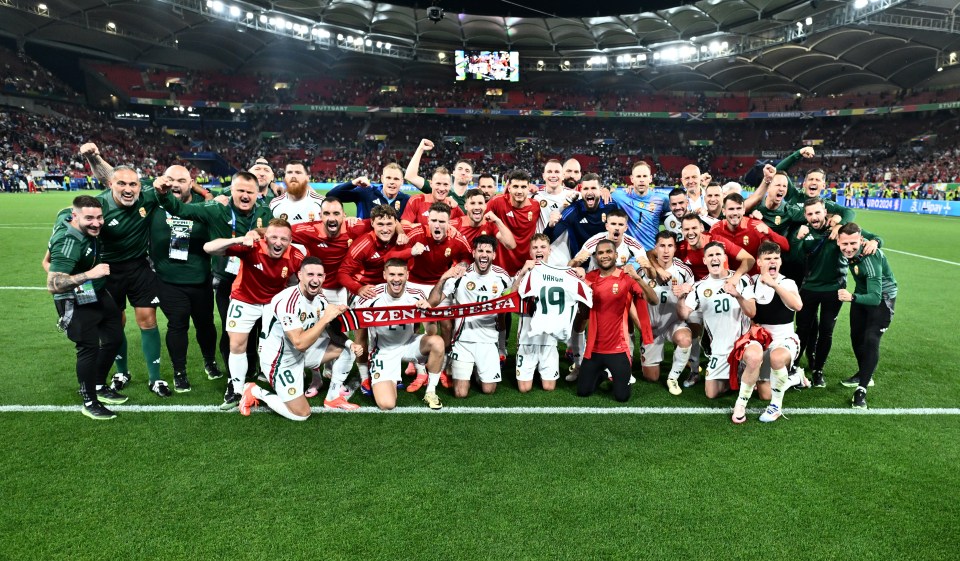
(745, 393)
(502, 342)
(421, 369)
(341, 369)
(630, 339)
(364, 370)
(680, 357)
(316, 381)
(577, 342)
(237, 364)
(778, 385)
(432, 381)
(695, 351)
(274, 402)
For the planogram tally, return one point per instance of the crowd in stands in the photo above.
(22, 75)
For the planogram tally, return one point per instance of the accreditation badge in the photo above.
(180, 231)
(85, 294)
(233, 265)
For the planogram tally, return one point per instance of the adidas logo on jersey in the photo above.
(259, 266)
(322, 245)
(113, 222)
(89, 250)
(376, 255)
(584, 221)
(298, 217)
(510, 214)
(156, 300)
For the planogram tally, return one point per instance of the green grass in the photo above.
(199, 486)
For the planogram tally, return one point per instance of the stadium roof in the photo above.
(770, 47)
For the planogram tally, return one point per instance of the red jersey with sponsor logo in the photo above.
(523, 223)
(747, 236)
(693, 257)
(364, 261)
(262, 277)
(608, 332)
(417, 210)
(331, 251)
(437, 257)
(464, 226)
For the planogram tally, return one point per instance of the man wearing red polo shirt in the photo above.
(744, 231)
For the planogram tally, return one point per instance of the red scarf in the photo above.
(396, 315)
(755, 333)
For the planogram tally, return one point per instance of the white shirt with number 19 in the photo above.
(558, 292)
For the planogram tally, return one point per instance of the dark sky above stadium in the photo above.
(539, 8)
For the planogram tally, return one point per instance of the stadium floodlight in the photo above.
(442, 55)
(724, 46)
(859, 3)
(289, 25)
(43, 10)
(714, 46)
(379, 44)
(386, 46)
(339, 36)
(642, 58)
(111, 26)
(263, 18)
(249, 15)
(368, 42)
(216, 6)
(242, 110)
(324, 34)
(272, 21)
(809, 20)
(235, 11)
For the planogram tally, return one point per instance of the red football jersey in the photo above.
(463, 225)
(523, 223)
(608, 332)
(693, 257)
(365, 259)
(747, 236)
(437, 257)
(417, 210)
(262, 277)
(332, 251)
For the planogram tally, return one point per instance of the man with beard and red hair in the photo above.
(299, 203)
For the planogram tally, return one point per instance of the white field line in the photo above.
(23, 288)
(922, 256)
(414, 410)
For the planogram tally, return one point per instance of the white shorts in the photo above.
(284, 371)
(485, 356)
(385, 361)
(530, 357)
(791, 344)
(335, 295)
(652, 354)
(717, 366)
(242, 316)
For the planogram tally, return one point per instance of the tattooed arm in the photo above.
(101, 169)
(58, 283)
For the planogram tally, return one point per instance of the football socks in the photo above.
(150, 343)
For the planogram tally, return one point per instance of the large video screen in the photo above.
(488, 66)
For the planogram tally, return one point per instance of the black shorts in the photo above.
(134, 280)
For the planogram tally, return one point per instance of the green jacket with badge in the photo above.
(126, 231)
(193, 266)
(826, 266)
(72, 252)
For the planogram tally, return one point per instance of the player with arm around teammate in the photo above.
(770, 300)
(294, 337)
(393, 344)
(474, 339)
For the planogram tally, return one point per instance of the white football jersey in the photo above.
(722, 315)
(306, 209)
(665, 313)
(558, 292)
(672, 224)
(471, 288)
(768, 303)
(629, 248)
(550, 204)
(392, 335)
(289, 310)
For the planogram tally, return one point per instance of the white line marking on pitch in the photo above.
(495, 410)
(923, 257)
(23, 288)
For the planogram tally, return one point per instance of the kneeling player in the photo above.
(556, 294)
(474, 338)
(294, 338)
(771, 301)
(663, 315)
(718, 300)
(392, 344)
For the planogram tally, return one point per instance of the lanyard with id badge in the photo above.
(233, 262)
(180, 231)
(85, 293)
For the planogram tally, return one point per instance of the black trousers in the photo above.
(180, 303)
(592, 372)
(97, 331)
(816, 337)
(222, 297)
(867, 325)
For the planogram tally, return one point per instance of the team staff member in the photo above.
(871, 309)
(125, 239)
(615, 293)
(826, 274)
(268, 189)
(240, 215)
(88, 314)
(176, 249)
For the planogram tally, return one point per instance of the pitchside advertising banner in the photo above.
(916, 206)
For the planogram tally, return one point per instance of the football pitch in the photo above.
(490, 477)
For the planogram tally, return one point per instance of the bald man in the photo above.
(690, 178)
(572, 173)
(186, 289)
